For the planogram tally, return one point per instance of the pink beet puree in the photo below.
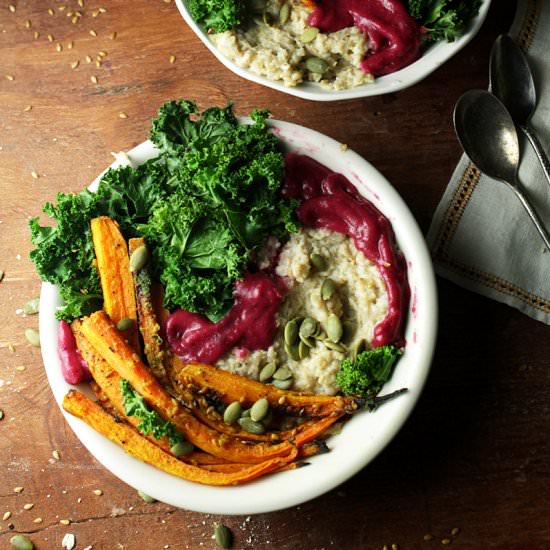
(394, 36)
(73, 366)
(250, 324)
(330, 201)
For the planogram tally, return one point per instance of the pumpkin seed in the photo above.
(328, 288)
(316, 65)
(284, 14)
(292, 352)
(32, 306)
(146, 498)
(267, 18)
(181, 448)
(308, 327)
(318, 262)
(309, 35)
(232, 413)
(334, 328)
(251, 426)
(335, 346)
(33, 337)
(257, 6)
(259, 410)
(283, 384)
(267, 372)
(291, 332)
(349, 331)
(303, 350)
(125, 324)
(359, 347)
(245, 413)
(139, 258)
(223, 536)
(320, 335)
(282, 373)
(309, 342)
(21, 542)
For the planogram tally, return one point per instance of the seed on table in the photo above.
(93, 33)
(21, 542)
(28, 24)
(318, 261)
(97, 492)
(1, 275)
(146, 498)
(88, 59)
(122, 115)
(10, 77)
(70, 45)
(455, 531)
(65, 521)
(259, 410)
(32, 306)
(172, 59)
(18, 490)
(93, 78)
(50, 38)
(232, 413)
(37, 520)
(113, 35)
(1, 414)
(267, 372)
(56, 455)
(75, 64)
(34, 174)
(428, 537)
(50, 11)
(445, 542)
(36, 34)
(6, 516)
(223, 536)
(59, 47)
(28, 506)
(309, 35)
(32, 337)
(102, 53)
(27, 108)
(69, 541)
(12, 8)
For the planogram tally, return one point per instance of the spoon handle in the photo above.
(537, 146)
(533, 215)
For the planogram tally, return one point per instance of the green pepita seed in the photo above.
(245, 413)
(232, 413)
(309, 342)
(328, 288)
(223, 536)
(125, 324)
(139, 258)
(267, 372)
(251, 426)
(318, 262)
(284, 14)
(292, 352)
(267, 18)
(283, 384)
(309, 35)
(257, 6)
(181, 448)
(316, 65)
(146, 498)
(32, 307)
(335, 346)
(308, 327)
(282, 373)
(259, 410)
(1, 275)
(291, 332)
(303, 350)
(21, 542)
(359, 347)
(334, 328)
(32, 337)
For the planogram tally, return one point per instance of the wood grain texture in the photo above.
(475, 452)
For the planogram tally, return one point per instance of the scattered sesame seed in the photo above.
(18, 490)
(62, 7)
(78, 14)
(455, 531)
(50, 38)
(20, 368)
(102, 53)
(27, 108)
(12, 8)
(79, 500)
(6, 516)
(36, 34)
(93, 78)
(59, 47)
(28, 506)
(93, 33)
(344, 146)
(35, 175)
(394, 547)
(68, 541)
(98, 63)
(56, 455)
(28, 24)
(102, 10)
(172, 59)
(1, 414)
(122, 115)
(98, 492)
(65, 521)
(10, 77)
(445, 542)
(37, 520)
(11, 347)
(81, 3)
(113, 35)
(88, 59)
(95, 13)
(50, 11)
(428, 536)
(75, 64)
(1, 272)
(70, 45)
(74, 20)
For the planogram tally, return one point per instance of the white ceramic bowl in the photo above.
(362, 437)
(433, 57)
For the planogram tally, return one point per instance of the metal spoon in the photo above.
(512, 82)
(488, 135)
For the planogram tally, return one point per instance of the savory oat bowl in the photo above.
(335, 57)
(364, 434)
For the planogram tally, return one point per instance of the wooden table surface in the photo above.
(473, 457)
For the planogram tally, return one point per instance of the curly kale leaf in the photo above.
(444, 19)
(151, 422)
(217, 15)
(368, 372)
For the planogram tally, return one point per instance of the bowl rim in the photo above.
(377, 429)
(432, 59)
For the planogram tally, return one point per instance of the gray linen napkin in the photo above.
(480, 237)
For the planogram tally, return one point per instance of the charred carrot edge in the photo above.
(109, 344)
(139, 447)
(229, 387)
(113, 265)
